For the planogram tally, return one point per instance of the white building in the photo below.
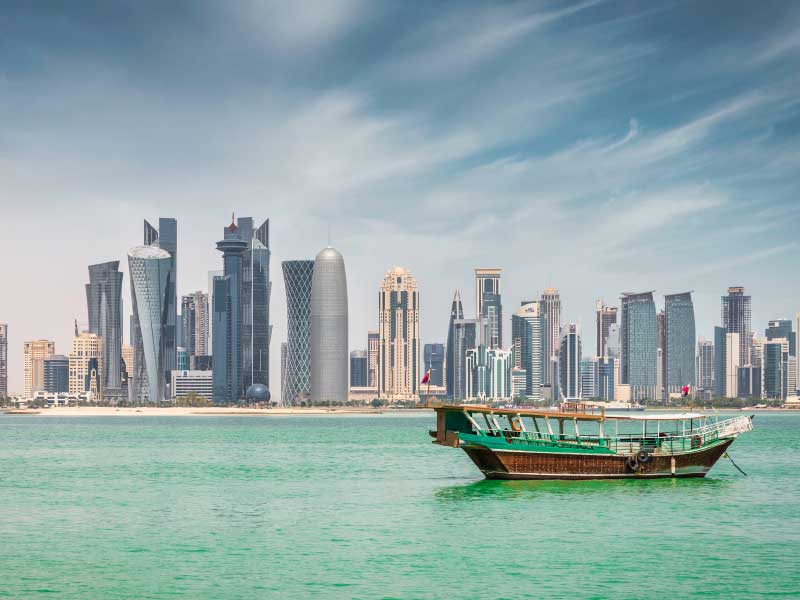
(199, 382)
(732, 365)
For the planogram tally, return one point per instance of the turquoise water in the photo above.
(367, 507)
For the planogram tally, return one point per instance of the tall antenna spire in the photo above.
(76, 327)
(329, 235)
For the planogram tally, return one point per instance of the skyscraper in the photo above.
(735, 313)
(526, 338)
(732, 365)
(456, 314)
(34, 353)
(373, 355)
(284, 353)
(489, 305)
(606, 317)
(194, 317)
(639, 344)
(329, 354)
(150, 269)
(358, 368)
(241, 311)
(605, 377)
(86, 366)
(569, 359)
(464, 338)
(589, 378)
(775, 369)
(56, 374)
(720, 361)
(679, 341)
(705, 365)
(298, 276)
(104, 304)
(796, 344)
(398, 326)
(551, 338)
(3, 360)
(166, 238)
(782, 328)
(433, 355)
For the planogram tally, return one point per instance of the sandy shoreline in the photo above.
(109, 411)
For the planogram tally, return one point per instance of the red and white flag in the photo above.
(427, 376)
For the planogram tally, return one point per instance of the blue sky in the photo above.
(598, 146)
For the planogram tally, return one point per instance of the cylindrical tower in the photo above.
(329, 351)
(149, 270)
(298, 277)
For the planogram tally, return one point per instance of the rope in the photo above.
(728, 456)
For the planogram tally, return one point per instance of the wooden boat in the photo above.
(579, 441)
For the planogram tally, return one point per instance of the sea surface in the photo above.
(366, 507)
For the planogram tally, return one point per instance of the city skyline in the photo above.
(698, 184)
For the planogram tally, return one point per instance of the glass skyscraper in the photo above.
(782, 328)
(735, 312)
(775, 367)
(104, 304)
(240, 322)
(720, 360)
(489, 305)
(526, 339)
(639, 344)
(569, 358)
(465, 337)
(679, 343)
(166, 238)
(705, 365)
(298, 276)
(359, 368)
(433, 355)
(150, 268)
(56, 374)
(456, 314)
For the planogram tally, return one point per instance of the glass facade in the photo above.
(298, 276)
(526, 338)
(735, 313)
(166, 238)
(551, 333)
(242, 317)
(56, 374)
(465, 335)
(569, 360)
(359, 368)
(456, 314)
(489, 305)
(104, 304)
(782, 328)
(705, 365)
(434, 362)
(606, 316)
(149, 269)
(775, 367)
(605, 378)
(639, 344)
(679, 343)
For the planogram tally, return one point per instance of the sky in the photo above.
(594, 146)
